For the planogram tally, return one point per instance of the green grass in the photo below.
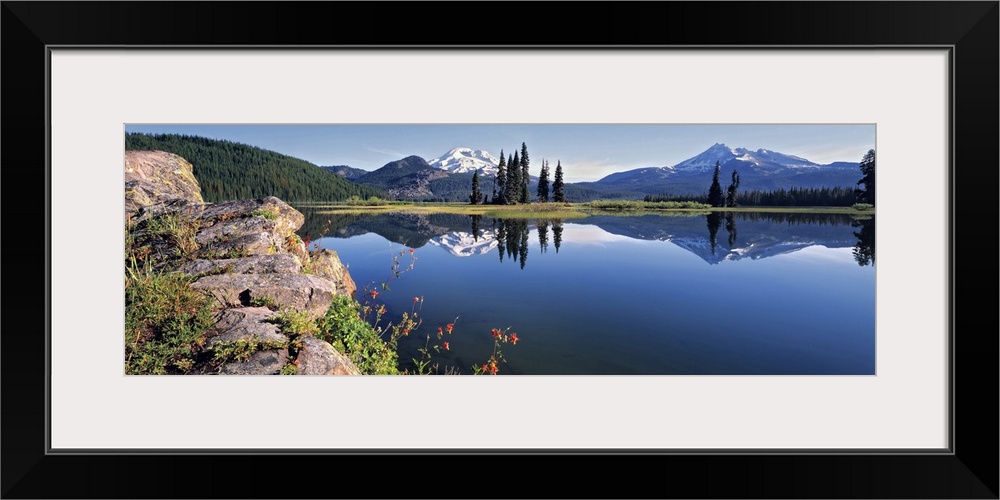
(165, 322)
(177, 230)
(630, 205)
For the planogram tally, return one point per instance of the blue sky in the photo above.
(587, 152)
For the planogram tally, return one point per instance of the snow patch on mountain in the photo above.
(761, 158)
(466, 160)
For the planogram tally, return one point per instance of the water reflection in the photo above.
(800, 289)
(749, 235)
(864, 249)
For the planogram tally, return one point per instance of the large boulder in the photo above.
(299, 292)
(255, 264)
(232, 229)
(153, 177)
(245, 323)
(269, 362)
(318, 357)
(326, 264)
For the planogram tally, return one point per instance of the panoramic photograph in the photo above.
(500, 249)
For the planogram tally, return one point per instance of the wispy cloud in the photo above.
(388, 152)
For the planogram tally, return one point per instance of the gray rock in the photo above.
(245, 323)
(326, 264)
(317, 357)
(157, 176)
(247, 227)
(257, 264)
(267, 362)
(296, 291)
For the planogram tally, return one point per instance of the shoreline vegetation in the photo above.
(554, 210)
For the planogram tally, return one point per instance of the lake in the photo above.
(745, 293)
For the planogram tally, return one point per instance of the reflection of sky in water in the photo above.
(606, 303)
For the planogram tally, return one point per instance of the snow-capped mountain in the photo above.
(466, 160)
(760, 169)
(762, 158)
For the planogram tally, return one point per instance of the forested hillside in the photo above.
(229, 171)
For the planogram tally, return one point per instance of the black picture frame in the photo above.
(969, 471)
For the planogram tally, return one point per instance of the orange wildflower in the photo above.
(513, 338)
(450, 327)
(445, 345)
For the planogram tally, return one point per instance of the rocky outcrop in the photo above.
(299, 292)
(247, 256)
(153, 177)
(320, 358)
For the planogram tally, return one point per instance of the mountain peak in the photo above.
(466, 160)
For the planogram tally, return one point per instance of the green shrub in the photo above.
(343, 327)
(266, 213)
(862, 206)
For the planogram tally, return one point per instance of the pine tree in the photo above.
(867, 165)
(543, 182)
(525, 176)
(715, 191)
(513, 192)
(557, 186)
(500, 182)
(476, 195)
(731, 190)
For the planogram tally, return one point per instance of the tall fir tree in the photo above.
(731, 191)
(476, 195)
(500, 181)
(513, 191)
(525, 176)
(543, 182)
(867, 165)
(558, 195)
(715, 191)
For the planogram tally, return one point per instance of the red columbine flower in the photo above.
(493, 367)
(411, 251)
(496, 333)
(513, 338)
(374, 294)
(450, 327)
(445, 345)
(485, 368)
(381, 310)
(416, 299)
(440, 331)
(406, 331)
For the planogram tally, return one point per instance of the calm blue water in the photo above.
(640, 295)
